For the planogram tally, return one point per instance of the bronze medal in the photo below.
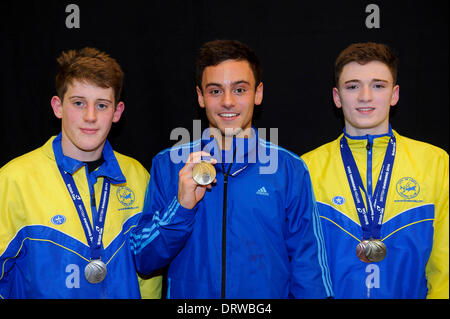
(361, 251)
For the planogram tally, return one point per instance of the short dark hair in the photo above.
(363, 53)
(89, 64)
(215, 52)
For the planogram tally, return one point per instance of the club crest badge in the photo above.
(408, 187)
(125, 196)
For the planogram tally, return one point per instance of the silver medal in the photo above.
(95, 271)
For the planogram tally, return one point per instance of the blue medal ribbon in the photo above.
(371, 219)
(94, 234)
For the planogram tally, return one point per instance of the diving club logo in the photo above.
(407, 187)
(125, 195)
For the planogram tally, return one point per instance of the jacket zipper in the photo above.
(224, 233)
(224, 225)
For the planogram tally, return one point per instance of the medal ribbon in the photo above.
(93, 235)
(372, 219)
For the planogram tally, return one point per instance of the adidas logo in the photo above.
(262, 191)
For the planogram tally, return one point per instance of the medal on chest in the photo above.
(371, 248)
(95, 271)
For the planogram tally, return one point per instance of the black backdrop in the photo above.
(156, 43)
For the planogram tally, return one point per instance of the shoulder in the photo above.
(179, 149)
(173, 157)
(31, 163)
(286, 158)
(420, 148)
(130, 165)
(321, 153)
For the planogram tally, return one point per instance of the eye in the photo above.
(240, 90)
(102, 106)
(351, 87)
(379, 85)
(78, 103)
(215, 91)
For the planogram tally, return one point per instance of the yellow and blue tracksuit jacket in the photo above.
(415, 226)
(43, 248)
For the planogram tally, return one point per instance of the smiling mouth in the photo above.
(228, 115)
(365, 109)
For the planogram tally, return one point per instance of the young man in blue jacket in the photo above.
(255, 231)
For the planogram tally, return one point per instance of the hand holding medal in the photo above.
(194, 178)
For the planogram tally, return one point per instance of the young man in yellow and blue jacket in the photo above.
(383, 198)
(66, 208)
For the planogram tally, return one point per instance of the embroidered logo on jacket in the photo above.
(58, 219)
(407, 187)
(125, 196)
(338, 200)
(262, 191)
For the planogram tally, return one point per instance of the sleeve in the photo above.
(11, 215)
(310, 274)
(437, 266)
(165, 225)
(150, 287)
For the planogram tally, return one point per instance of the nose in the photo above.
(228, 99)
(90, 114)
(365, 94)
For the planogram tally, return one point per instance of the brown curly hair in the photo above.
(91, 65)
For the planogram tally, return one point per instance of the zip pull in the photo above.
(93, 203)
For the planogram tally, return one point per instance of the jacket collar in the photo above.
(368, 136)
(109, 169)
(377, 141)
(242, 152)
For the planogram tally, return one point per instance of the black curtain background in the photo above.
(157, 42)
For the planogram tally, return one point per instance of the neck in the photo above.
(225, 141)
(74, 152)
(354, 131)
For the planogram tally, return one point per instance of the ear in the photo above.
(201, 100)
(259, 94)
(56, 106)
(120, 107)
(336, 98)
(395, 95)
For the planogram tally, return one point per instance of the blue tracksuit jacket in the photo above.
(256, 234)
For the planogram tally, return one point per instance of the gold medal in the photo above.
(204, 173)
